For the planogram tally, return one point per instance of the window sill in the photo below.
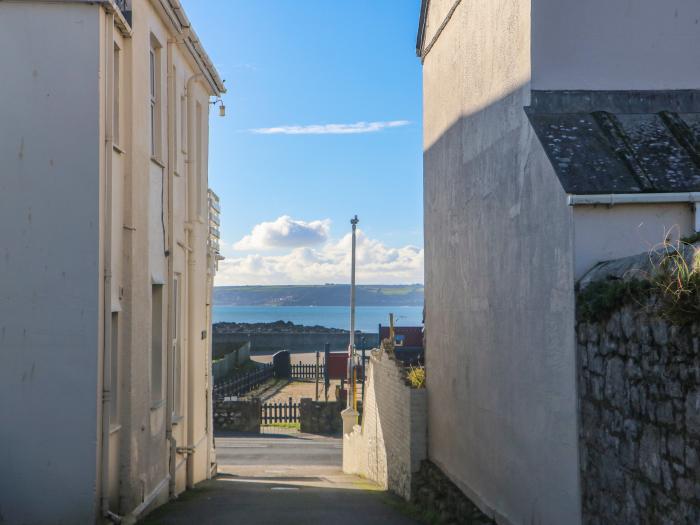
(177, 419)
(116, 148)
(157, 404)
(158, 162)
(114, 428)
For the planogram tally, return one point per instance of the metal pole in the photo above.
(317, 364)
(351, 346)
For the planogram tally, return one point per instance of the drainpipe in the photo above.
(107, 268)
(611, 199)
(191, 266)
(170, 397)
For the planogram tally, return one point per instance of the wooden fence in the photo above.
(243, 383)
(307, 372)
(279, 412)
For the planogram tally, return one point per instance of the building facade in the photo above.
(547, 148)
(106, 272)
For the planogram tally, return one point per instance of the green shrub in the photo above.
(601, 298)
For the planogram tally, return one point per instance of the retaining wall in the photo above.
(391, 442)
(223, 368)
(320, 417)
(237, 416)
(639, 384)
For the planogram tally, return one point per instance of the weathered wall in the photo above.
(500, 342)
(237, 416)
(49, 262)
(639, 383)
(604, 44)
(603, 233)
(300, 342)
(320, 417)
(391, 442)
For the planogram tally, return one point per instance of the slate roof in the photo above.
(620, 141)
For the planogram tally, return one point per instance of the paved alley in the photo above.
(281, 479)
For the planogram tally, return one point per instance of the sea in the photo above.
(367, 318)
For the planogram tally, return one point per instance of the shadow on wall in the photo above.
(500, 354)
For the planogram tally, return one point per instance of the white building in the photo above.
(105, 270)
(557, 134)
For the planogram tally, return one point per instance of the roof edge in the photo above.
(420, 37)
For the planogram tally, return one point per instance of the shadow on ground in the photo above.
(258, 500)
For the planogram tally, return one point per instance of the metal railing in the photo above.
(242, 384)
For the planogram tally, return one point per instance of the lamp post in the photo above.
(350, 414)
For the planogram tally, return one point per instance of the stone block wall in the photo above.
(320, 417)
(639, 387)
(237, 416)
(392, 441)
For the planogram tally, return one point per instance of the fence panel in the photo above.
(279, 412)
(307, 372)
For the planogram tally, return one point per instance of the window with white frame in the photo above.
(116, 94)
(155, 97)
(156, 344)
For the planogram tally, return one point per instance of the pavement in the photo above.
(282, 479)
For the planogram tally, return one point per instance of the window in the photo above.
(115, 96)
(199, 158)
(156, 344)
(175, 108)
(183, 123)
(176, 351)
(154, 81)
(114, 400)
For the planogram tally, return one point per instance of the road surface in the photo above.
(284, 479)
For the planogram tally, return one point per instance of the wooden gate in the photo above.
(279, 413)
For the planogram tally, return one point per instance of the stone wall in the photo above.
(320, 417)
(294, 342)
(391, 442)
(639, 383)
(237, 416)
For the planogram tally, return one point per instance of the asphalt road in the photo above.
(281, 480)
(282, 449)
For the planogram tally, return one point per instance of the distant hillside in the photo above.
(320, 295)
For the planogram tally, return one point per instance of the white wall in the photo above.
(391, 443)
(603, 233)
(615, 44)
(49, 255)
(500, 353)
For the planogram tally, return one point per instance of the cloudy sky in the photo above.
(323, 122)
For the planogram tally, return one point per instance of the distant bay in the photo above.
(367, 318)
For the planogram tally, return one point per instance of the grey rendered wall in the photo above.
(615, 44)
(500, 350)
(49, 282)
(603, 233)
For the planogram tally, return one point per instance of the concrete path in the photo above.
(281, 479)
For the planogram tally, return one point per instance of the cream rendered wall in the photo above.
(603, 233)
(500, 351)
(615, 44)
(144, 451)
(49, 262)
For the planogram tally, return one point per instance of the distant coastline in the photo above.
(277, 327)
(319, 295)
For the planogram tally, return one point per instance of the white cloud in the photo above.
(331, 129)
(284, 232)
(376, 264)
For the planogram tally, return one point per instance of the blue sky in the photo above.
(289, 189)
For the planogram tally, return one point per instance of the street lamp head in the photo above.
(354, 220)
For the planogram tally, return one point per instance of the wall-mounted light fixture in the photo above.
(222, 108)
